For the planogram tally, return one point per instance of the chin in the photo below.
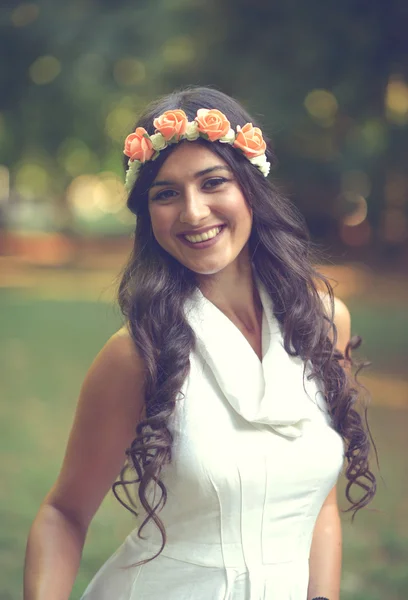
(207, 271)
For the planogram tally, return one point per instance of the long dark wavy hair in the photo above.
(154, 287)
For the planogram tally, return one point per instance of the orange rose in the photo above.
(212, 122)
(137, 147)
(249, 139)
(171, 123)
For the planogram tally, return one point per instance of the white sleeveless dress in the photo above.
(254, 458)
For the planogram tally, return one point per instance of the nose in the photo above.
(194, 208)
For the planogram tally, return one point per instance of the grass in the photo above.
(46, 348)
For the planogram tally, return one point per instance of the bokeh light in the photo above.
(76, 157)
(369, 138)
(45, 69)
(114, 198)
(358, 212)
(356, 182)
(120, 119)
(322, 106)
(32, 181)
(129, 71)
(25, 14)
(4, 184)
(29, 214)
(93, 196)
(396, 100)
(179, 51)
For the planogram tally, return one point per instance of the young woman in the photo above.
(228, 388)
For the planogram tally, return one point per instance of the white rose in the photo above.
(159, 141)
(258, 161)
(131, 174)
(265, 168)
(192, 132)
(229, 138)
(261, 163)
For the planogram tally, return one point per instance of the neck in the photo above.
(235, 293)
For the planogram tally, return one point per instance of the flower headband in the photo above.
(173, 126)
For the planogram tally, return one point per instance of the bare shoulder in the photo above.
(341, 317)
(111, 403)
(117, 365)
(118, 372)
(120, 348)
(341, 310)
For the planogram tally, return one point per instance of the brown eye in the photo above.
(164, 195)
(215, 182)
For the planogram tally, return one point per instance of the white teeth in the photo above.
(204, 236)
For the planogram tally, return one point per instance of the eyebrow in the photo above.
(196, 175)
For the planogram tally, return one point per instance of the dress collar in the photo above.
(268, 393)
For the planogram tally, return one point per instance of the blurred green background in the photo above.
(329, 84)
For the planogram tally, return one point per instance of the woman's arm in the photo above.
(110, 405)
(326, 550)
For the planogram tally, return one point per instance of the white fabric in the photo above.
(254, 457)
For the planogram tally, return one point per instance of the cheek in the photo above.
(248, 210)
(245, 213)
(161, 222)
(234, 202)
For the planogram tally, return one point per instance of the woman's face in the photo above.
(196, 189)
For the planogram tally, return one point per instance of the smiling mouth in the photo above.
(198, 244)
(197, 238)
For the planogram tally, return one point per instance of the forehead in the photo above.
(188, 158)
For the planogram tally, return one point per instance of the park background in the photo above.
(329, 83)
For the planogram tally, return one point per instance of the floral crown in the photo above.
(173, 126)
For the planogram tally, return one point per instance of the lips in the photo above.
(204, 244)
(200, 231)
